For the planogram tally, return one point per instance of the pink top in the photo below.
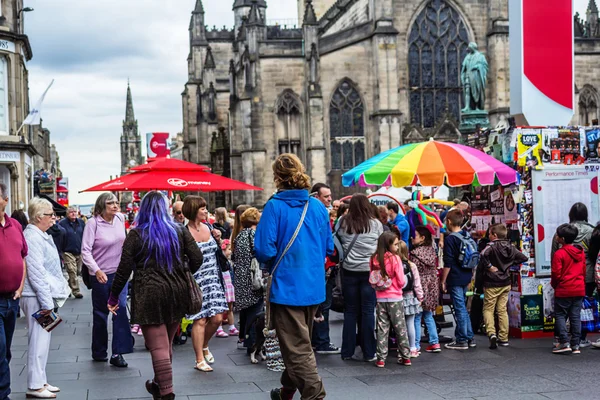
(393, 267)
(102, 244)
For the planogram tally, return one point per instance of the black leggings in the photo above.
(246, 316)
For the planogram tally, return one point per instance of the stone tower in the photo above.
(131, 141)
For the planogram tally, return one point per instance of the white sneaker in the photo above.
(585, 343)
(595, 344)
(44, 394)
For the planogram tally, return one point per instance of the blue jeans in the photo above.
(431, 328)
(8, 319)
(463, 331)
(568, 308)
(122, 342)
(320, 336)
(359, 299)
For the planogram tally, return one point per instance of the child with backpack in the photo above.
(387, 278)
(460, 259)
(493, 274)
(568, 281)
(412, 297)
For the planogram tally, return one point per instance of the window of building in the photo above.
(438, 42)
(346, 127)
(588, 105)
(288, 123)
(4, 126)
(198, 104)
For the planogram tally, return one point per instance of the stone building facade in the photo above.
(16, 146)
(358, 78)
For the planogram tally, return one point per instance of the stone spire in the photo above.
(209, 63)
(129, 114)
(254, 17)
(199, 9)
(592, 7)
(310, 18)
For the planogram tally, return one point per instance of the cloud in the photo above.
(91, 48)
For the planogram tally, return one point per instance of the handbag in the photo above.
(337, 296)
(274, 358)
(590, 321)
(376, 279)
(256, 275)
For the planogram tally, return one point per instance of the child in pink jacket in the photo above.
(413, 296)
(388, 282)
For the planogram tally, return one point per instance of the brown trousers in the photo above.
(294, 330)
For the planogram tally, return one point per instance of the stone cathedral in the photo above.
(355, 78)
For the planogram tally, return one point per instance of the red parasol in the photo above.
(188, 181)
(170, 164)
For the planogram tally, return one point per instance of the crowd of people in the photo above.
(311, 251)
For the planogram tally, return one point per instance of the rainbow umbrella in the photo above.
(430, 164)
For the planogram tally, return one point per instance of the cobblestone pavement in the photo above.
(524, 371)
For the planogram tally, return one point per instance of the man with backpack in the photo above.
(460, 259)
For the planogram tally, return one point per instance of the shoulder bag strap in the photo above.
(270, 278)
(347, 253)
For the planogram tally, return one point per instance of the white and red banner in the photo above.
(542, 77)
(158, 145)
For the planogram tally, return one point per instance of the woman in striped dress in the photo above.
(208, 320)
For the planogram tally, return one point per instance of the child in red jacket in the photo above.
(568, 281)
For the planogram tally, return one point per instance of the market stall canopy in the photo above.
(430, 163)
(170, 164)
(402, 194)
(187, 181)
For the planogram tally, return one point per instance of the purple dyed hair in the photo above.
(158, 231)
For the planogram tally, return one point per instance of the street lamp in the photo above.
(26, 9)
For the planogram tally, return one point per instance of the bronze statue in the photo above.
(474, 76)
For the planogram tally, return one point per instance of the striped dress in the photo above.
(207, 277)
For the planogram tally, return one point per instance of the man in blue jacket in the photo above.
(396, 218)
(72, 251)
(298, 282)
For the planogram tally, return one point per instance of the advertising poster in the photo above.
(511, 211)
(158, 145)
(548, 297)
(532, 313)
(514, 310)
(529, 144)
(592, 137)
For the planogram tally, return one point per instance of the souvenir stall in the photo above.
(559, 167)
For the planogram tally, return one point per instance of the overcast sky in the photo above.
(91, 48)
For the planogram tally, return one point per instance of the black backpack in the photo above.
(410, 280)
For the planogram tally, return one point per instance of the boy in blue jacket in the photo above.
(456, 280)
(298, 282)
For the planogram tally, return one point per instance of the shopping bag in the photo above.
(590, 321)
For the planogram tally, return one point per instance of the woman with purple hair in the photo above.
(155, 251)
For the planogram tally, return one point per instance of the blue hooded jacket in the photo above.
(300, 277)
(404, 228)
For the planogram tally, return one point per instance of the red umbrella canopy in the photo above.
(187, 181)
(170, 164)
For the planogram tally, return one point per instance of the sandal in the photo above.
(203, 366)
(222, 334)
(208, 356)
(233, 331)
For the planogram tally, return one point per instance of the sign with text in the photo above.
(158, 145)
(542, 78)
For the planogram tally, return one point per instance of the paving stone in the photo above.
(570, 395)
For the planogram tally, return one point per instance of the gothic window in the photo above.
(346, 127)
(438, 42)
(198, 104)
(588, 105)
(4, 126)
(288, 122)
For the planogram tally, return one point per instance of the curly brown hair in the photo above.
(289, 173)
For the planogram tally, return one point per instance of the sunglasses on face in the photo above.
(178, 212)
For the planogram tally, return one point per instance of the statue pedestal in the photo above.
(470, 119)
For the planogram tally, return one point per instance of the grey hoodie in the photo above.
(357, 260)
(583, 238)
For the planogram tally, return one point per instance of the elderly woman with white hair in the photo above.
(45, 288)
(101, 250)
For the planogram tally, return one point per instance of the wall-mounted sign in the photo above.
(7, 45)
(158, 145)
(10, 156)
